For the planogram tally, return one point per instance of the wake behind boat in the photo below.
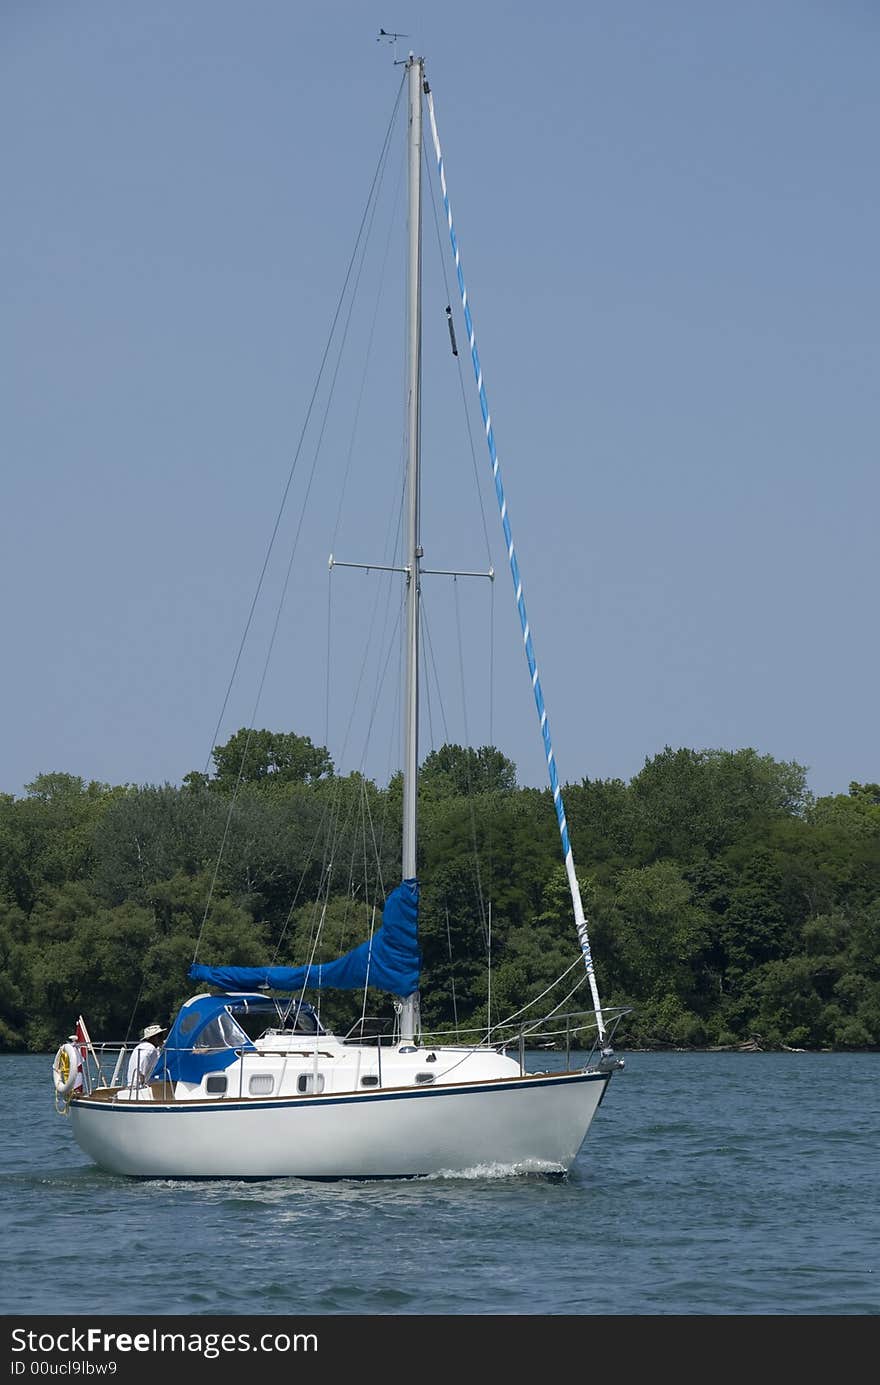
(249, 1083)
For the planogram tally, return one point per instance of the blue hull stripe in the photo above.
(151, 1108)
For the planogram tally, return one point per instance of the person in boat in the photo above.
(145, 1056)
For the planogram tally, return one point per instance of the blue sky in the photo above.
(669, 218)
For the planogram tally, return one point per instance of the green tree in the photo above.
(723, 902)
(662, 937)
(604, 823)
(150, 833)
(458, 770)
(538, 956)
(694, 803)
(261, 757)
(48, 836)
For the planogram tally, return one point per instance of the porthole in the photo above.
(215, 1084)
(310, 1082)
(370, 1080)
(424, 1079)
(261, 1084)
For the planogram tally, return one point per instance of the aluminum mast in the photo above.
(409, 1005)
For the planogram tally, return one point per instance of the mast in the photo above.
(415, 73)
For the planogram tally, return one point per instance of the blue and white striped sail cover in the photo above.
(389, 961)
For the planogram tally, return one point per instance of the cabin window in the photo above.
(371, 1080)
(424, 1079)
(305, 1021)
(220, 1032)
(310, 1082)
(215, 1084)
(261, 1084)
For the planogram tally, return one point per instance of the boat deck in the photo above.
(163, 1093)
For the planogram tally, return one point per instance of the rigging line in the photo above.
(341, 499)
(395, 550)
(430, 647)
(293, 465)
(451, 971)
(369, 641)
(427, 685)
(577, 903)
(379, 841)
(327, 868)
(353, 816)
(275, 529)
(306, 868)
(492, 664)
(367, 975)
(355, 801)
(531, 1029)
(380, 880)
(383, 671)
(341, 351)
(285, 585)
(489, 984)
(394, 723)
(317, 935)
(382, 668)
(327, 669)
(363, 835)
(234, 798)
(461, 386)
(330, 832)
(500, 1024)
(339, 824)
(317, 452)
(376, 700)
(136, 1004)
(364, 813)
(481, 903)
(537, 1025)
(350, 893)
(368, 354)
(294, 1005)
(492, 794)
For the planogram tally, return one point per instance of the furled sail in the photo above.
(389, 960)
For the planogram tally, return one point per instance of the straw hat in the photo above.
(152, 1030)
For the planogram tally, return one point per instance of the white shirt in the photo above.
(141, 1063)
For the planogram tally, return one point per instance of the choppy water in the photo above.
(709, 1184)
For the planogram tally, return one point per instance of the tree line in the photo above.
(727, 905)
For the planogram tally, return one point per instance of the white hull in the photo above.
(527, 1124)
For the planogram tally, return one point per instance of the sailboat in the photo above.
(296, 1100)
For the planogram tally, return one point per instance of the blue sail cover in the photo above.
(390, 961)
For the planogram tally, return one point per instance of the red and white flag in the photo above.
(83, 1048)
(83, 1041)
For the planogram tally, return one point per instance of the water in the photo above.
(709, 1184)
